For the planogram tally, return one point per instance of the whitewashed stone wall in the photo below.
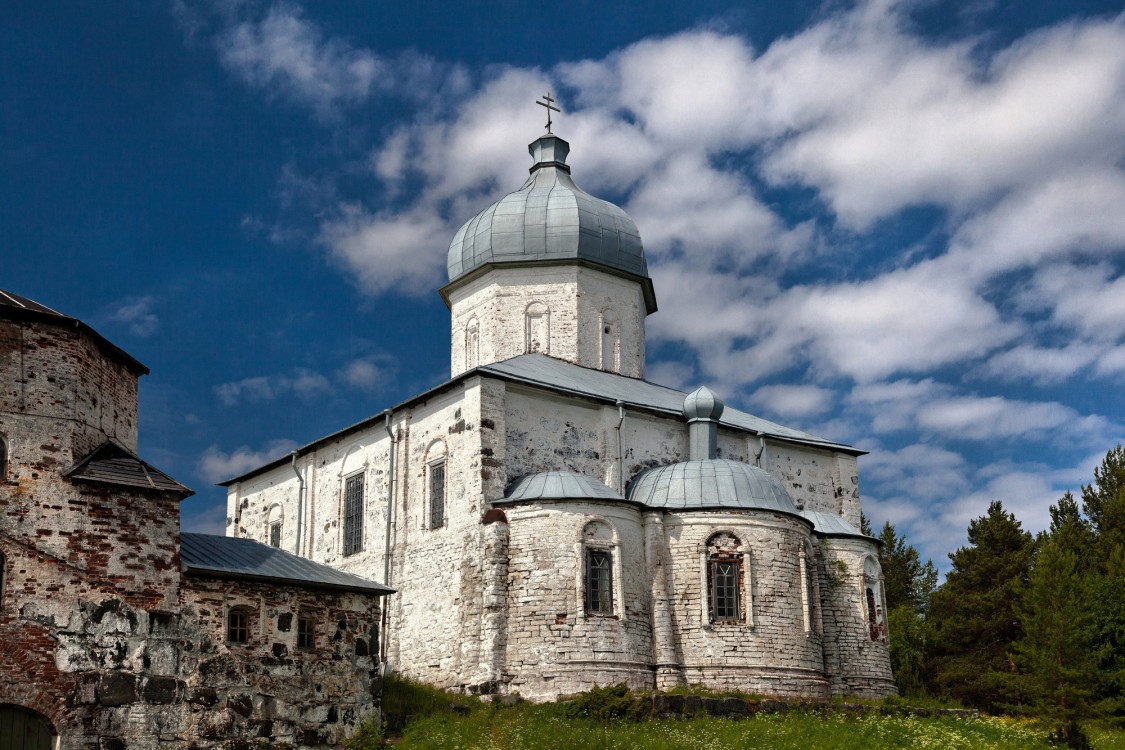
(576, 300)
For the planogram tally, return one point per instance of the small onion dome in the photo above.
(557, 485)
(830, 524)
(549, 220)
(702, 403)
(709, 484)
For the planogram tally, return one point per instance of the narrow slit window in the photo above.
(437, 495)
(238, 626)
(275, 534)
(353, 515)
(599, 582)
(3, 459)
(3, 570)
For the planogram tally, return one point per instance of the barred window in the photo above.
(238, 625)
(275, 534)
(306, 633)
(353, 514)
(437, 495)
(599, 581)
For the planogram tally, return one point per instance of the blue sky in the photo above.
(896, 224)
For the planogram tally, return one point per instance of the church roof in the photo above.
(219, 556)
(549, 220)
(111, 463)
(548, 373)
(16, 307)
(710, 484)
(557, 485)
(830, 524)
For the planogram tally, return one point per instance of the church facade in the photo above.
(552, 521)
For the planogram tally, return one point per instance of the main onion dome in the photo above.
(548, 220)
(710, 484)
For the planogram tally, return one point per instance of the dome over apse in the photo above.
(548, 220)
(709, 485)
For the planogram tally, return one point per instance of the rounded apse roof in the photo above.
(549, 219)
(710, 484)
(557, 485)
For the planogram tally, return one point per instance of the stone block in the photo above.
(116, 689)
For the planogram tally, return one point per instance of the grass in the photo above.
(479, 725)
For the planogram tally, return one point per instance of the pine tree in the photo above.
(1060, 652)
(908, 585)
(973, 613)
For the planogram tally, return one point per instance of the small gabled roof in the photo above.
(830, 524)
(16, 307)
(111, 463)
(216, 556)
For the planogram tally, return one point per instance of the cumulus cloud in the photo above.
(302, 383)
(792, 400)
(137, 314)
(216, 465)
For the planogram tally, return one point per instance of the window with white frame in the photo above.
(725, 579)
(472, 344)
(353, 514)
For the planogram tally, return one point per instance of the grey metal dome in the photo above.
(548, 219)
(557, 485)
(709, 484)
(702, 403)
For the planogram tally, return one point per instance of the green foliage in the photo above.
(973, 614)
(906, 581)
(610, 702)
(909, 639)
(369, 737)
(407, 697)
(1104, 501)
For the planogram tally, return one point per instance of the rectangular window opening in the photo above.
(306, 633)
(238, 626)
(353, 515)
(437, 495)
(725, 581)
(275, 534)
(599, 582)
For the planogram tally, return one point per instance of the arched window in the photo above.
(472, 344)
(274, 525)
(238, 625)
(727, 581)
(610, 341)
(810, 591)
(537, 328)
(599, 573)
(873, 599)
(353, 514)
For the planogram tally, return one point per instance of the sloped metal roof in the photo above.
(554, 374)
(830, 524)
(710, 484)
(111, 463)
(17, 307)
(557, 485)
(548, 219)
(217, 556)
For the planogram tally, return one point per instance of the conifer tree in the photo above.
(908, 585)
(1060, 652)
(973, 613)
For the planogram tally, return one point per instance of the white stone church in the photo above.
(552, 521)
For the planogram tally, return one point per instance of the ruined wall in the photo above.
(111, 674)
(771, 651)
(857, 660)
(553, 646)
(575, 299)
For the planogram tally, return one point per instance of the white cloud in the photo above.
(792, 400)
(303, 383)
(366, 373)
(216, 465)
(137, 314)
(286, 54)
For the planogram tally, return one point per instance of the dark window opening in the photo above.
(353, 515)
(874, 617)
(725, 578)
(3, 459)
(3, 570)
(275, 534)
(599, 582)
(238, 626)
(437, 495)
(306, 633)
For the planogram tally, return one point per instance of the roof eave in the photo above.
(374, 589)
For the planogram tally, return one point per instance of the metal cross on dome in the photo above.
(547, 102)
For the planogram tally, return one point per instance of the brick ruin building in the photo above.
(553, 521)
(118, 631)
